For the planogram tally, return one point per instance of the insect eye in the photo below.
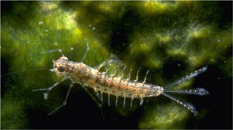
(55, 66)
(61, 69)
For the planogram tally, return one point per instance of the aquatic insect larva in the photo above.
(111, 84)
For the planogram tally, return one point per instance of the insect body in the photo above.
(100, 81)
(111, 84)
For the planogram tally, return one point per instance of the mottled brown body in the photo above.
(100, 81)
(87, 76)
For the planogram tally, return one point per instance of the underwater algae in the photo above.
(171, 39)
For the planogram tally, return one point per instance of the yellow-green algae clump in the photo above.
(156, 35)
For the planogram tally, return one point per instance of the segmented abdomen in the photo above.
(110, 84)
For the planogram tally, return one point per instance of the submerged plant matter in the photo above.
(171, 39)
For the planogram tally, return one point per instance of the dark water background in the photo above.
(163, 45)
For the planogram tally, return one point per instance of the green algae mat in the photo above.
(171, 39)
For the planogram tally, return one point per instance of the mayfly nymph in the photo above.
(111, 84)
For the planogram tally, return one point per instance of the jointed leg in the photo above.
(64, 103)
(89, 93)
(85, 53)
(98, 103)
(48, 89)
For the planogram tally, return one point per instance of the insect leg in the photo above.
(64, 103)
(97, 92)
(50, 88)
(187, 77)
(85, 52)
(97, 102)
